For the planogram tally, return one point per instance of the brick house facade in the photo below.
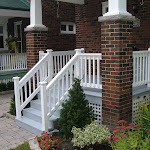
(88, 28)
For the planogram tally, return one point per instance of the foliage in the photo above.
(91, 134)
(3, 87)
(144, 119)
(12, 42)
(129, 137)
(76, 111)
(24, 146)
(12, 109)
(47, 142)
(10, 85)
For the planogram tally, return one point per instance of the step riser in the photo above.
(29, 128)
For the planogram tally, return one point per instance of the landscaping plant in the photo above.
(3, 87)
(90, 135)
(12, 109)
(129, 137)
(76, 111)
(47, 142)
(10, 85)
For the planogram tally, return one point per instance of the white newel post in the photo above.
(40, 55)
(44, 106)
(50, 64)
(148, 68)
(17, 98)
(78, 66)
(116, 7)
(36, 14)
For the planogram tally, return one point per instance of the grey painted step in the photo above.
(30, 125)
(35, 115)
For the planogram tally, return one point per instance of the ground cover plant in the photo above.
(129, 137)
(76, 111)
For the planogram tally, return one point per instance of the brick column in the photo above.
(117, 68)
(36, 40)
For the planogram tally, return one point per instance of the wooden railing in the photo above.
(13, 61)
(141, 68)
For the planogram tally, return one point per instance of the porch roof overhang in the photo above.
(80, 2)
(14, 13)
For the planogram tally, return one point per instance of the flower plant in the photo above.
(47, 142)
(90, 135)
(129, 137)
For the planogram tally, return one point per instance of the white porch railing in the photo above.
(141, 68)
(12, 61)
(29, 84)
(82, 65)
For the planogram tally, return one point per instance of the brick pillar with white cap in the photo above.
(36, 34)
(117, 65)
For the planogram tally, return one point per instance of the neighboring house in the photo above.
(115, 78)
(14, 17)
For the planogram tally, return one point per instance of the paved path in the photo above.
(10, 135)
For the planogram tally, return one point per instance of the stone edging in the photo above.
(33, 144)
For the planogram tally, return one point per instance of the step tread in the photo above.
(33, 111)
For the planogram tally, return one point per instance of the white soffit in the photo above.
(14, 13)
(80, 2)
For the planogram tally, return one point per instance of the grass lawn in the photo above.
(24, 146)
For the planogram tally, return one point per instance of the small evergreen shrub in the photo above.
(3, 87)
(12, 109)
(90, 135)
(10, 85)
(76, 111)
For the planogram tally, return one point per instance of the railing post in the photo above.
(17, 98)
(148, 84)
(78, 66)
(44, 106)
(50, 64)
(40, 54)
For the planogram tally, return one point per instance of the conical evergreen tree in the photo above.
(76, 111)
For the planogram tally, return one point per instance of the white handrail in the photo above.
(13, 61)
(62, 82)
(42, 71)
(141, 68)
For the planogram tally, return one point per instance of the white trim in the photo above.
(3, 22)
(104, 7)
(67, 28)
(16, 33)
(80, 2)
(14, 13)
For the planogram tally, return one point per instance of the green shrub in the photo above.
(76, 111)
(90, 135)
(12, 109)
(10, 85)
(3, 87)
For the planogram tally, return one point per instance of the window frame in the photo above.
(67, 28)
(2, 48)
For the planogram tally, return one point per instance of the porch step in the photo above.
(30, 125)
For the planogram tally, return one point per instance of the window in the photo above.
(104, 7)
(1, 37)
(67, 28)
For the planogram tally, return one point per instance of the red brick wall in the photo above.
(66, 12)
(36, 41)
(88, 28)
(25, 22)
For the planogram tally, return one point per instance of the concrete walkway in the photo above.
(10, 135)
